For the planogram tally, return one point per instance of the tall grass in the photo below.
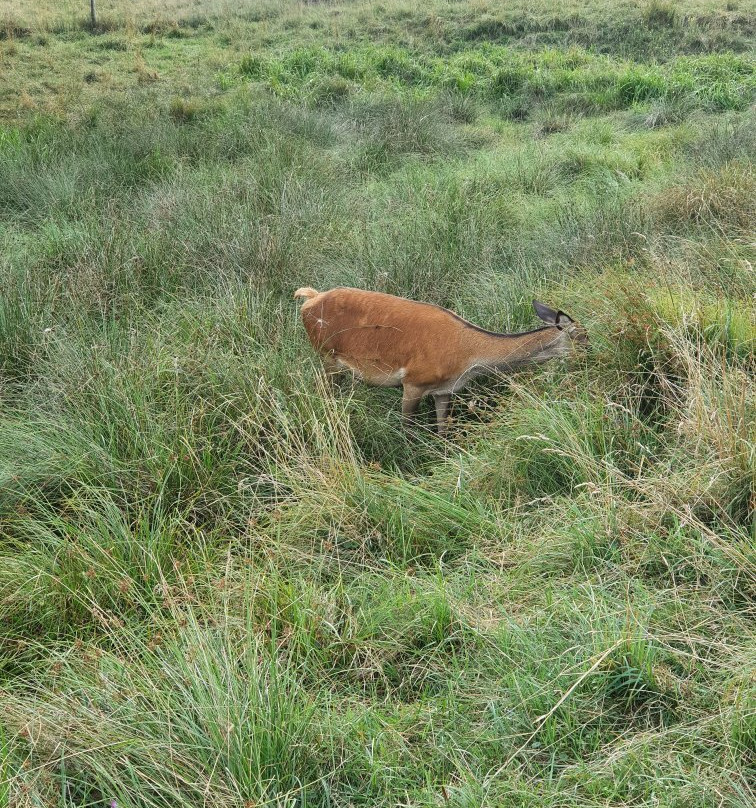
(577, 78)
(224, 582)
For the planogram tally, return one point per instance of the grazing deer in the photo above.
(394, 342)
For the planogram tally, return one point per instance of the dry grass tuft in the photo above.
(717, 198)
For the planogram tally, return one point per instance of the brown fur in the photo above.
(391, 341)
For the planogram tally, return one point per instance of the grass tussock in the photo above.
(223, 581)
(572, 79)
(716, 199)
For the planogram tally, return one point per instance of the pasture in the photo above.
(223, 584)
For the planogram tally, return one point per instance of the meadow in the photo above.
(224, 584)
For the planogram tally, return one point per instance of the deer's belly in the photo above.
(373, 372)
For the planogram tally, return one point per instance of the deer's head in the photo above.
(575, 336)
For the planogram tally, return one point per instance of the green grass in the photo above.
(571, 78)
(222, 582)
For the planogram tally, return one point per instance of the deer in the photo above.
(390, 341)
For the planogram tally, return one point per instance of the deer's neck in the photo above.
(511, 351)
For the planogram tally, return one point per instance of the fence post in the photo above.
(92, 12)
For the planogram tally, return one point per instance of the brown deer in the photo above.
(394, 342)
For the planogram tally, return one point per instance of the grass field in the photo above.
(222, 584)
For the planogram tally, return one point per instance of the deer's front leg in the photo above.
(410, 402)
(442, 401)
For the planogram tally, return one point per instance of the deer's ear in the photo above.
(563, 319)
(545, 313)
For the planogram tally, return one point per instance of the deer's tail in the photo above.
(306, 292)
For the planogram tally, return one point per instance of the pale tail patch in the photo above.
(306, 292)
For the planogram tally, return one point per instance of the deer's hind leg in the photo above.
(334, 371)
